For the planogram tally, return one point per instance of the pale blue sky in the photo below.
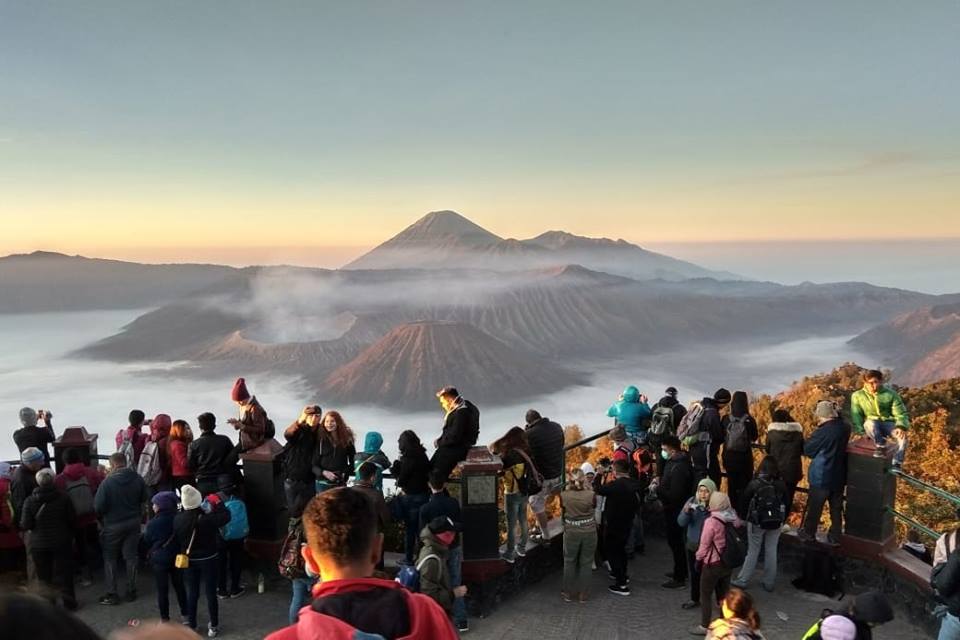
(159, 124)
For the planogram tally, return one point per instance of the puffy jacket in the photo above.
(630, 412)
(886, 405)
(368, 608)
(732, 629)
(253, 424)
(210, 455)
(74, 472)
(546, 447)
(207, 527)
(828, 448)
(372, 443)
(434, 576)
(179, 459)
(460, 427)
(676, 484)
(693, 519)
(785, 445)
(162, 541)
(49, 515)
(298, 458)
(21, 487)
(412, 469)
(121, 497)
(713, 538)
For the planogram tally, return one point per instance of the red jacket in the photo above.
(159, 430)
(72, 473)
(179, 466)
(8, 529)
(373, 602)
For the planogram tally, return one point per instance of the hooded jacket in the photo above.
(368, 608)
(676, 484)
(412, 469)
(693, 519)
(732, 629)
(298, 458)
(253, 424)
(713, 538)
(434, 576)
(49, 515)
(828, 448)
(74, 472)
(461, 427)
(8, 524)
(886, 405)
(442, 504)
(159, 432)
(545, 438)
(372, 443)
(161, 539)
(785, 445)
(121, 497)
(630, 412)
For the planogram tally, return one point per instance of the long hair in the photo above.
(741, 604)
(342, 436)
(515, 438)
(179, 430)
(409, 444)
(739, 405)
(576, 479)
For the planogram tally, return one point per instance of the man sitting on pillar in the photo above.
(878, 411)
(461, 427)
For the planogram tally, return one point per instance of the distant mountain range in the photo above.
(389, 335)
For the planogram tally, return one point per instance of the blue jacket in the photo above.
(827, 446)
(121, 497)
(372, 443)
(163, 543)
(630, 412)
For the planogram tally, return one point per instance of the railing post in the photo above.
(75, 438)
(871, 494)
(478, 499)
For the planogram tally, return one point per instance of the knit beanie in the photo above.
(28, 417)
(838, 628)
(30, 455)
(240, 393)
(165, 500)
(190, 498)
(826, 410)
(45, 477)
(872, 607)
(722, 396)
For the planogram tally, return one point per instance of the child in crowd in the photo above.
(233, 535)
(163, 549)
(740, 619)
(437, 537)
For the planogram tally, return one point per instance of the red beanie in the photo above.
(240, 393)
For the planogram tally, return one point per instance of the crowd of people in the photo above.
(181, 499)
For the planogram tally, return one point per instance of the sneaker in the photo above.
(698, 630)
(222, 595)
(463, 627)
(239, 592)
(111, 599)
(593, 566)
(132, 595)
(566, 596)
(619, 589)
(507, 559)
(690, 604)
(674, 584)
(212, 631)
(614, 578)
(880, 451)
(185, 620)
(521, 553)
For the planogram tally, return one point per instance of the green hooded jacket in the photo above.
(886, 405)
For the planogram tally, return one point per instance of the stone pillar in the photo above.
(266, 505)
(75, 438)
(871, 490)
(478, 499)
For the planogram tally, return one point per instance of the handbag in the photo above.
(182, 561)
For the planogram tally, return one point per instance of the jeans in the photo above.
(714, 581)
(815, 500)
(454, 562)
(406, 508)
(202, 572)
(757, 537)
(579, 546)
(164, 576)
(880, 430)
(676, 539)
(55, 566)
(120, 540)
(515, 504)
(230, 564)
(300, 588)
(949, 628)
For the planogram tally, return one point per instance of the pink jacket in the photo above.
(713, 538)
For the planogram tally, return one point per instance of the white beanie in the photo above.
(190, 497)
(587, 469)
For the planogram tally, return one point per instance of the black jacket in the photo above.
(754, 485)
(298, 457)
(676, 484)
(945, 579)
(622, 501)
(210, 455)
(411, 471)
(785, 445)
(21, 487)
(546, 447)
(461, 427)
(36, 436)
(739, 461)
(711, 422)
(207, 526)
(49, 515)
(162, 541)
(329, 457)
(441, 504)
(671, 403)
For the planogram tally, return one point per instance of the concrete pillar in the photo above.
(478, 501)
(75, 438)
(870, 491)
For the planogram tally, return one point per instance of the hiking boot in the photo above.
(619, 589)
(521, 553)
(690, 604)
(111, 599)
(674, 584)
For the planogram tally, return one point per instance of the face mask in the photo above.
(664, 454)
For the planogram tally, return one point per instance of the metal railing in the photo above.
(924, 486)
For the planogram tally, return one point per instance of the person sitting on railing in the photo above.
(827, 472)
(878, 411)
(252, 423)
(546, 451)
(461, 428)
(632, 411)
(33, 436)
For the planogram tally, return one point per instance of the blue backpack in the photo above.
(238, 527)
(409, 575)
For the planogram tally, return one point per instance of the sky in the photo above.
(306, 132)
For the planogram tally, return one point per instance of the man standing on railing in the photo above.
(32, 435)
(827, 473)
(878, 411)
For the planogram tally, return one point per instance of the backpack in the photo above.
(81, 495)
(149, 465)
(531, 482)
(126, 448)
(661, 422)
(735, 550)
(689, 428)
(291, 565)
(641, 461)
(239, 527)
(269, 430)
(820, 573)
(409, 575)
(736, 438)
(766, 509)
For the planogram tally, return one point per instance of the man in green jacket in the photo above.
(878, 411)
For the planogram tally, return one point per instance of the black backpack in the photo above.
(531, 482)
(766, 509)
(735, 551)
(820, 573)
